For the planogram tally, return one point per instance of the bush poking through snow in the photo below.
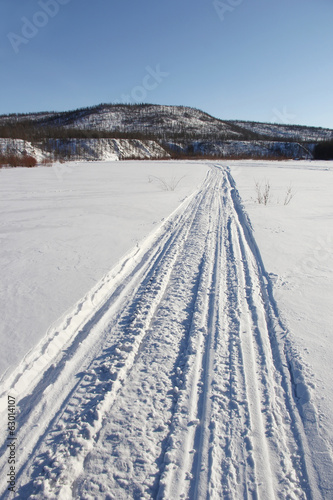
(289, 196)
(14, 160)
(166, 185)
(263, 195)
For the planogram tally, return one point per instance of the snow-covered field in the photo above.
(198, 365)
(63, 228)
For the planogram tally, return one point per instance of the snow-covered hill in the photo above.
(119, 131)
(87, 149)
(146, 118)
(246, 149)
(286, 132)
(21, 147)
(160, 120)
(107, 149)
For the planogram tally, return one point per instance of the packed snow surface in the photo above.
(181, 373)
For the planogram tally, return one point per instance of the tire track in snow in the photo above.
(180, 386)
(200, 464)
(77, 415)
(263, 452)
(151, 409)
(290, 420)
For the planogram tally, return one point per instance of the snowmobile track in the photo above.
(176, 383)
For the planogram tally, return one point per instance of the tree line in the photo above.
(324, 151)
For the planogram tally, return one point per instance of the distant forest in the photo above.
(324, 151)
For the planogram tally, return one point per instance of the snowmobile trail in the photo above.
(178, 383)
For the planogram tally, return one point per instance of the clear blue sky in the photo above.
(263, 60)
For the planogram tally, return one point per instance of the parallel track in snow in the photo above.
(177, 385)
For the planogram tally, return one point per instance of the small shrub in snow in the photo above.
(166, 185)
(15, 160)
(28, 161)
(263, 194)
(289, 196)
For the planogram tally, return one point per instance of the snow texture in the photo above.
(176, 375)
